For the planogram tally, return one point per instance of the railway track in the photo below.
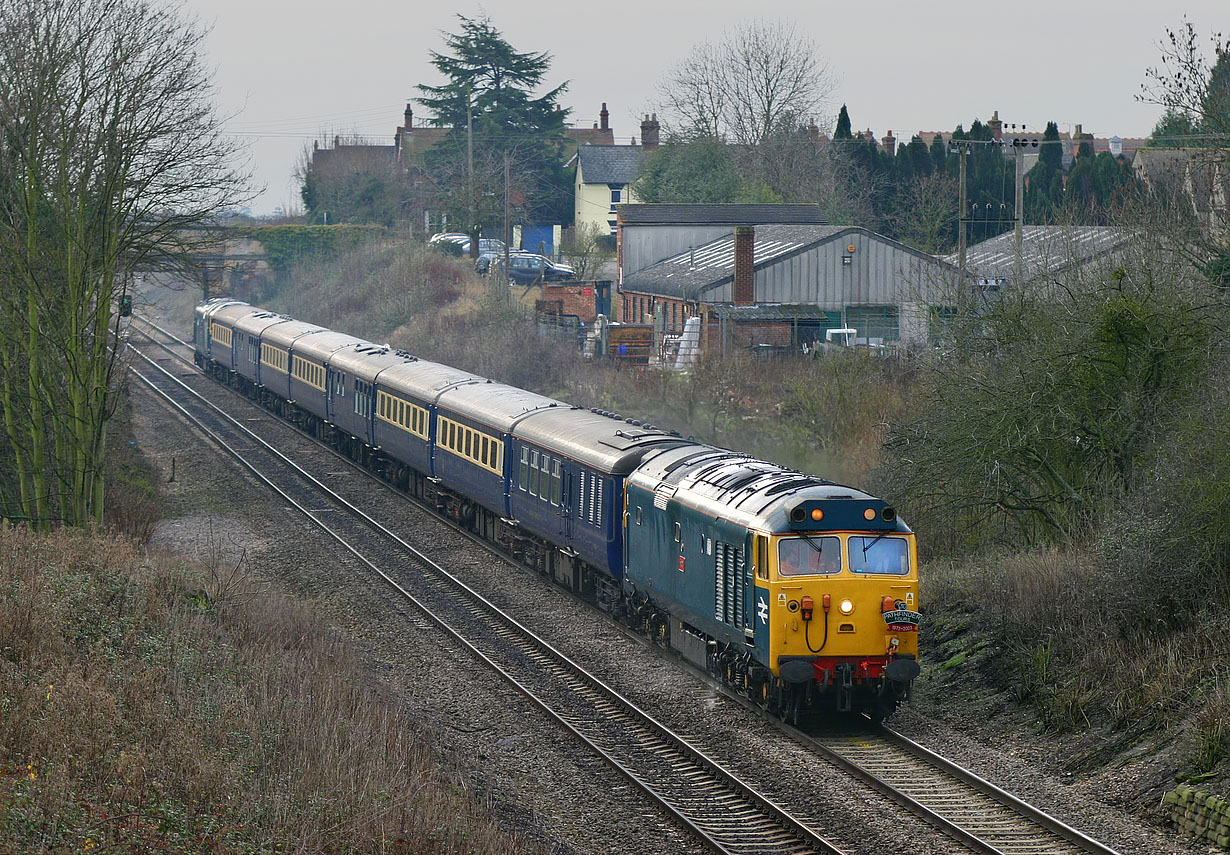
(954, 800)
(727, 813)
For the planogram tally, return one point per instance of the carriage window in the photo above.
(809, 556)
(533, 473)
(889, 556)
(557, 483)
(525, 469)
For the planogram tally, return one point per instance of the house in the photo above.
(783, 286)
(1046, 251)
(1199, 175)
(650, 233)
(605, 174)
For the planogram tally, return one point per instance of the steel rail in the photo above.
(797, 830)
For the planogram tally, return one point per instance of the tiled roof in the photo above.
(689, 274)
(609, 164)
(1043, 249)
(732, 215)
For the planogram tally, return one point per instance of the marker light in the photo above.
(847, 607)
(817, 514)
(869, 514)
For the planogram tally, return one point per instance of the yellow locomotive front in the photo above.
(841, 587)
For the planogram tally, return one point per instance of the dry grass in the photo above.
(133, 715)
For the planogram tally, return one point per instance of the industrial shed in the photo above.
(785, 286)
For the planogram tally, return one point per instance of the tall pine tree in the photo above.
(490, 86)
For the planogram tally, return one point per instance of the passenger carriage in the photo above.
(567, 484)
(212, 332)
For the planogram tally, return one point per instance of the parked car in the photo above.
(527, 268)
(450, 237)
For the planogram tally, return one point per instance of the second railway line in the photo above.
(832, 800)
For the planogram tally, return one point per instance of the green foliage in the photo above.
(289, 245)
(489, 86)
(842, 131)
(1049, 409)
(700, 171)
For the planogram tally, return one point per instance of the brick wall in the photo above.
(577, 299)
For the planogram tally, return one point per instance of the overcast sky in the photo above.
(292, 74)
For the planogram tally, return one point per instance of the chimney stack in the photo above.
(890, 144)
(996, 126)
(745, 261)
(603, 118)
(649, 131)
(409, 119)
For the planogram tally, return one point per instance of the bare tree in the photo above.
(1188, 85)
(760, 76)
(111, 149)
(926, 212)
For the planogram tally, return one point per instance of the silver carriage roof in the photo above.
(284, 334)
(366, 360)
(496, 405)
(602, 441)
(213, 304)
(424, 380)
(255, 322)
(229, 314)
(750, 492)
(322, 345)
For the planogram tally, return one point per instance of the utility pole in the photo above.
(471, 227)
(962, 221)
(507, 234)
(1020, 205)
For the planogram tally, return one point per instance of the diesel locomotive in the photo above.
(796, 591)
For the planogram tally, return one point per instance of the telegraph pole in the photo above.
(962, 240)
(504, 277)
(1020, 204)
(471, 227)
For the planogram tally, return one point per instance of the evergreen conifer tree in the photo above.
(490, 85)
(842, 131)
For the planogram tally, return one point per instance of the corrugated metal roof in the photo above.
(609, 164)
(734, 215)
(690, 273)
(1043, 248)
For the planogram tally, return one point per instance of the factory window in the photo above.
(875, 324)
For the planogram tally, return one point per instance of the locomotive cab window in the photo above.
(809, 556)
(889, 556)
(638, 514)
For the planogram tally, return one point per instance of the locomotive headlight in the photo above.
(846, 607)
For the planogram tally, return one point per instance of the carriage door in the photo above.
(756, 595)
